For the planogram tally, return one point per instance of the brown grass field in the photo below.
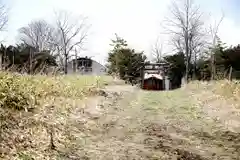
(96, 118)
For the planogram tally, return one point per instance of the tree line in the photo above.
(42, 44)
(198, 53)
(126, 62)
(25, 59)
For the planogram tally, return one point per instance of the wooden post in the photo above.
(167, 84)
(213, 69)
(13, 58)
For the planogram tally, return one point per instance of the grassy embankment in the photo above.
(31, 106)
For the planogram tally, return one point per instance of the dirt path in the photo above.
(126, 123)
(165, 125)
(95, 129)
(134, 124)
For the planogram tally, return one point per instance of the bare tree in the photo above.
(185, 25)
(3, 16)
(3, 24)
(37, 34)
(71, 33)
(213, 33)
(157, 51)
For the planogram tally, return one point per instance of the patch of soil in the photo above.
(221, 138)
(102, 93)
(186, 155)
(229, 136)
(219, 135)
(159, 139)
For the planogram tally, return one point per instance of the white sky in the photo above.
(137, 21)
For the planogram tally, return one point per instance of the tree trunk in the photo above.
(1, 60)
(213, 72)
(230, 74)
(187, 59)
(30, 62)
(195, 66)
(65, 64)
(76, 62)
(186, 74)
(187, 42)
(4, 59)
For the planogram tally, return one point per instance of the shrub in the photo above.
(22, 92)
(13, 94)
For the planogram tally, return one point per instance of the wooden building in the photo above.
(153, 82)
(154, 77)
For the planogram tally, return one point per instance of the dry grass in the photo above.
(69, 120)
(224, 88)
(198, 122)
(31, 105)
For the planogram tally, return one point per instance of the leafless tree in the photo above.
(3, 24)
(157, 51)
(37, 34)
(213, 34)
(3, 16)
(186, 27)
(70, 33)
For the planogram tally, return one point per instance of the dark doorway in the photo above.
(153, 84)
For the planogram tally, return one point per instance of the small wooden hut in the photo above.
(154, 77)
(153, 82)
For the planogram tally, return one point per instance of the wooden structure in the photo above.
(154, 76)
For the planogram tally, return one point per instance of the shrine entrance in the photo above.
(154, 77)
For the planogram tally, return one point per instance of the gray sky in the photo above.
(137, 21)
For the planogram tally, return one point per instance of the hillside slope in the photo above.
(121, 122)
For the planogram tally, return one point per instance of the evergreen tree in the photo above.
(123, 60)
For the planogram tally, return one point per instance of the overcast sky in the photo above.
(137, 21)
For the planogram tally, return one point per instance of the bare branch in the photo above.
(70, 34)
(185, 25)
(213, 32)
(157, 51)
(37, 34)
(3, 17)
